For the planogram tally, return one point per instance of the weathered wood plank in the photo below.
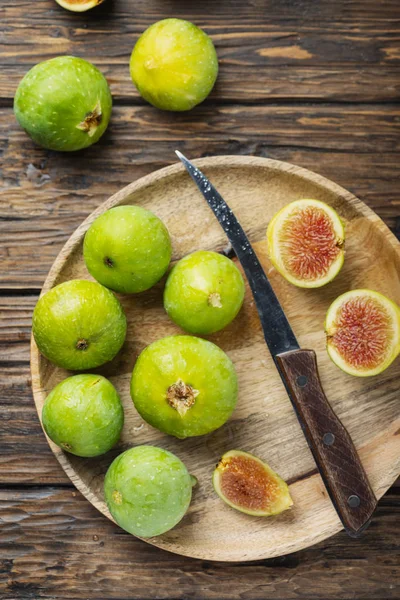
(267, 50)
(56, 545)
(25, 456)
(355, 146)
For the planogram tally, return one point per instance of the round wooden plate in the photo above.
(264, 422)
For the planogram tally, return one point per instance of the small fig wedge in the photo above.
(248, 484)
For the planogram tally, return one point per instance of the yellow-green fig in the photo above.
(174, 65)
(147, 490)
(127, 249)
(204, 292)
(184, 386)
(79, 325)
(63, 104)
(83, 415)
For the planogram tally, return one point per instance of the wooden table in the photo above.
(312, 83)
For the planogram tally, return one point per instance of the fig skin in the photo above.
(63, 104)
(79, 5)
(204, 292)
(248, 484)
(127, 249)
(148, 490)
(275, 227)
(392, 311)
(184, 386)
(79, 325)
(174, 65)
(83, 415)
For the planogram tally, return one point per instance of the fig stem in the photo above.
(82, 344)
(108, 261)
(181, 396)
(91, 121)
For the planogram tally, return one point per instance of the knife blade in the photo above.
(331, 445)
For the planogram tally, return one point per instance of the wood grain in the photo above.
(25, 457)
(59, 546)
(286, 55)
(368, 409)
(274, 50)
(41, 208)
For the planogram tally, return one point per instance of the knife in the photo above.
(331, 445)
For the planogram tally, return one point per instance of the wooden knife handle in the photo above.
(331, 445)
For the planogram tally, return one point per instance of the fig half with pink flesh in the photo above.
(248, 484)
(306, 243)
(79, 5)
(363, 332)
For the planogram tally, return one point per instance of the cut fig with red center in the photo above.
(248, 484)
(306, 243)
(311, 244)
(363, 332)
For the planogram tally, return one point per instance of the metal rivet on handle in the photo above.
(353, 501)
(301, 380)
(328, 439)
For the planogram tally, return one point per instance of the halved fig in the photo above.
(306, 243)
(79, 5)
(363, 332)
(248, 484)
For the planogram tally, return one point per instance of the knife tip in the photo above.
(179, 155)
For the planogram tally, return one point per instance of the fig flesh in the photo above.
(248, 484)
(363, 332)
(79, 5)
(306, 243)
